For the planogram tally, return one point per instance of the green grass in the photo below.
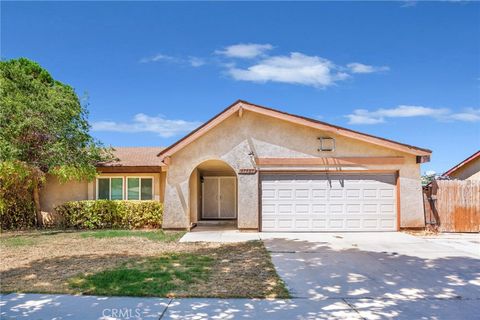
(156, 235)
(17, 241)
(155, 276)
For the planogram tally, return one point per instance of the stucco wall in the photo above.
(470, 171)
(233, 140)
(55, 193)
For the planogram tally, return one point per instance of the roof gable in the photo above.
(470, 159)
(241, 105)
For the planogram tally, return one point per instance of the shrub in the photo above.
(111, 214)
(17, 210)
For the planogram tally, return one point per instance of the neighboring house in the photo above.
(269, 171)
(468, 169)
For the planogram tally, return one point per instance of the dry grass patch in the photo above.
(65, 262)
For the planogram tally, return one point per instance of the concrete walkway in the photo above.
(219, 234)
(43, 306)
(63, 307)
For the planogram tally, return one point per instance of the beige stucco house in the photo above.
(267, 170)
(468, 169)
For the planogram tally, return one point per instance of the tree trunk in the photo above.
(36, 200)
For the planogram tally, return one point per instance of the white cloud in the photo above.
(245, 50)
(363, 116)
(196, 61)
(143, 123)
(469, 115)
(356, 67)
(159, 57)
(191, 61)
(409, 4)
(296, 68)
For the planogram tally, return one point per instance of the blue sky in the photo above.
(408, 71)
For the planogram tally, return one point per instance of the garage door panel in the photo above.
(302, 193)
(302, 223)
(285, 223)
(285, 209)
(319, 193)
(370, 223)
(353, 193)
(285, 194)
(354, 208)
(387, 223)
(319, 223)
(268, 193)
(336, 223)
(268, 223)
(317, 202)
(302, 208)
(386, 193)
(353, 223)
(369, 193)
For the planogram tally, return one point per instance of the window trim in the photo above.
(110, 186)
(140, 187)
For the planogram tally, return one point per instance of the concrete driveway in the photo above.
(383, 275)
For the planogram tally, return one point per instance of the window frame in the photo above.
(140, 187)
(110, 186)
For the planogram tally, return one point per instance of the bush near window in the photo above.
(111, 214)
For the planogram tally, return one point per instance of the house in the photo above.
(468, 169)
(136, 174)
(267, 170)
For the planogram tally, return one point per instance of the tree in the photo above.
(43, 128)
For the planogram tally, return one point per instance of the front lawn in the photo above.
(153, 276)
(135, 263)
(157, 235)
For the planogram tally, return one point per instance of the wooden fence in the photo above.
(453, 205)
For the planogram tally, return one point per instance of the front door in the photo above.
(219, 198)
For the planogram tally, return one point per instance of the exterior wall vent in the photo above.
(326, 144)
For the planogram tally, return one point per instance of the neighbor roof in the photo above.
(463, 163)
(244, 105)
(135, 157)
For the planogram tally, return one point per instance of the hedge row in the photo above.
(108, 214)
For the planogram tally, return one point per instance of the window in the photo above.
(110, 188)
(139, 188)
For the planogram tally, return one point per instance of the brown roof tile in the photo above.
(135, 157)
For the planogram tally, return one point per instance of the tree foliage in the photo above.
(43, 128)
(16, 201)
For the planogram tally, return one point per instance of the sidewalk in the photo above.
(49, 307)
(45, 306)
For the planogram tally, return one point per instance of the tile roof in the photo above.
(135, 157)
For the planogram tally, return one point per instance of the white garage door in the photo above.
(328, 202)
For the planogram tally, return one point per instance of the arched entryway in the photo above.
(213, 193)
